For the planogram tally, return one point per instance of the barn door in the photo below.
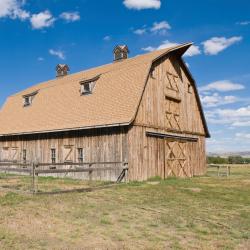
(176, 159)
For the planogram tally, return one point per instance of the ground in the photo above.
(206, 212)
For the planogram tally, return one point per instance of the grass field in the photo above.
(199, 213)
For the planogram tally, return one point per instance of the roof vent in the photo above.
(62, 70)
(121, 52)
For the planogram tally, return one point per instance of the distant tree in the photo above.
(216, 160)
(236, 159)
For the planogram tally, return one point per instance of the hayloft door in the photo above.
(176, 160)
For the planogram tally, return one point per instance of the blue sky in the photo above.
(36, 35)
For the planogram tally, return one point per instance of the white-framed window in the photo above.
(80, 155)
(27, 99)
(53, 155)
(87, 86)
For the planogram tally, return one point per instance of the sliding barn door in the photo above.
(176, 159)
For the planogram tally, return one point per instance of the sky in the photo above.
(37, 35)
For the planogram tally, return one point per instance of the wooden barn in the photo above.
(143, 111)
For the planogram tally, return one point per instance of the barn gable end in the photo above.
(168, 134)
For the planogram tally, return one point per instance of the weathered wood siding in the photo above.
(99, 145)
(153, 105)
(168, 105)
(150, 156)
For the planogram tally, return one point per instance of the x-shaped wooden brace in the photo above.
(178, 158)
(173, 119)
(172, 82)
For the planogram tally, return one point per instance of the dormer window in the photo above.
(28, 99)
(87, 86)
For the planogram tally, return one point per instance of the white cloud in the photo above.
(241, 124)
(142, 4)
(42, 20)
(215, 45)
(164, 45)
(215, 100)
(243, 135)
(157, 28)
(140, 31)
(13, 9)
(222, 86)
(192, 51)
(243, 23)
(40, 59)
(58, 53)
(70, 16)
(160, 27)
(107, 38)
(238, 117)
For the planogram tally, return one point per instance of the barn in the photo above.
(143, 111)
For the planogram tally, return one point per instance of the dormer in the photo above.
(62, 70)
(28, 99)
(87, 86)
(121, 52)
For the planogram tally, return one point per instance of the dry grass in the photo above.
(199, 213)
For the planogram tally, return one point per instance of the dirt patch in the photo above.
(195, 190)
(153, 182)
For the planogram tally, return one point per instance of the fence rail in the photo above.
(34, 169)
(220, 168)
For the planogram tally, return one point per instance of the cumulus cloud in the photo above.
(222, 86)
(215, 100)
(160, 27)
(238, 117)
(140, 31)
(58, 53)
(215, 45)
(243, 135)
(13, 9)
(70, 16)
(142, 4)
(192, 51)
(42, 20)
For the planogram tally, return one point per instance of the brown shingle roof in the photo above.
(58, 104)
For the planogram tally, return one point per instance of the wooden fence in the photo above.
(222, 170)
(36, 169)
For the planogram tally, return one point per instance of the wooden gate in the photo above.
(177, 162)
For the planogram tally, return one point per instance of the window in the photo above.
(189, 88)
(80, 155)
(87, 86)
(24, 156)
(27, 99)
(53, 155)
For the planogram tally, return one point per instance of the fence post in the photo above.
(33, 177)
(126, 171)
(90, 172)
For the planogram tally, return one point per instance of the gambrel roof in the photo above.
(59, 106)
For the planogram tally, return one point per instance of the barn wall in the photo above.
(150, 156)
(99, 145)
(168, 78)
(168, 105)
